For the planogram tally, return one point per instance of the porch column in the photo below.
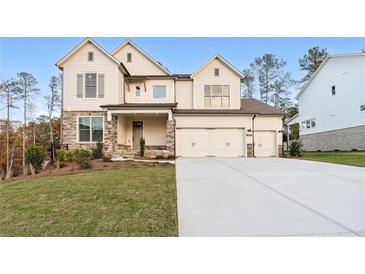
(170, 136)
(110, 136)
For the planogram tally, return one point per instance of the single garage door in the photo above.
(265, 144)
(203, 142)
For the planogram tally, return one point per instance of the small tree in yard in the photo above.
(141, 146)
(35, 156)
(295, 148)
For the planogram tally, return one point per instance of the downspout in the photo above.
(253, 136)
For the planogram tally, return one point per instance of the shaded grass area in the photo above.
(136, 201)
(353, 158)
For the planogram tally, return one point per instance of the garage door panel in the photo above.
(210, 142)
(265, 144)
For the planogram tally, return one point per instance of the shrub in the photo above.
(97, 151)
(62, 164)
(35, 156)
(85, 164)
(142, 143)
(61, 154)
(69, 155)
(80, 154)
(107, 159)
(295, 148)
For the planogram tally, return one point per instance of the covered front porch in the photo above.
(126, 127)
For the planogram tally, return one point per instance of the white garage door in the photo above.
(202, 142)
(265, 144)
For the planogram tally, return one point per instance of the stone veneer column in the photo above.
(170, 136)
(249, 150)
(110, 136)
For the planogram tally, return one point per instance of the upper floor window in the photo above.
(216, 96)
(362, 107)
(90, 85)
(216, 72)
(333, 90)
(90, 129)
(309, 123)
(138, 91)
(90, 56)
(129, 57)
(159, 92)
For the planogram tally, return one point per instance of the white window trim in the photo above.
(97, 85)
(78, 133)
(159, 99)
(221, 107)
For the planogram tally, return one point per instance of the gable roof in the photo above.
(128, 41)
(84, 42)
(322, 65)
(217, 56)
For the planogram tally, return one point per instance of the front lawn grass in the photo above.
(136, 201)
(353, 158)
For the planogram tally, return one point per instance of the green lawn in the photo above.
(344, 158)
(134, 201)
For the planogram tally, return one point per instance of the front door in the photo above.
(137, 134)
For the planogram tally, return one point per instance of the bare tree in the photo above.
(281, 94)
(53, 104)
(10, 90)
(60, 77)
(28, 88)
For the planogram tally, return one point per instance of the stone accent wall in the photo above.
(110, 136)
(170, 136)
(280, 150)
(341, 139)
(249, 150)
(69, 127)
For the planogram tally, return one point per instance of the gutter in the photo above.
(253, 136)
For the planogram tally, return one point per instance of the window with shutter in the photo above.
(90, 85)
(101, 85)
(80, 85)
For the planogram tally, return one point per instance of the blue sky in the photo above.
(180, 55)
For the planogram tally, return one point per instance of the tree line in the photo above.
(22, 92)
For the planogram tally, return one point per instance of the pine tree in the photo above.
(248, 81)
(311, 61)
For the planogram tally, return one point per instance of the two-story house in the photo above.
(119, 97)
(332, 105)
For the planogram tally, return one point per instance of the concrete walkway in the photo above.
(269, 197)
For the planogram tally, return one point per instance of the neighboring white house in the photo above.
(119, 97)
(332, 105)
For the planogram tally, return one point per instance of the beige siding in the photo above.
(184, 94)
(78, 64)
(120, 87)
(226, 77)
(154, 129)
(140, 65)
(147, 92)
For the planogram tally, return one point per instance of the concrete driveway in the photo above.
(269, 197)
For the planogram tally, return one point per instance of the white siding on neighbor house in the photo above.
(147, 93)
(338, 111)
(79, 64)
(226, 77)
(184, 94)
(140, 65)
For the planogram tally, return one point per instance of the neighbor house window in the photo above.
(90, 129)
(90, 56)
(216, 96)
(362, 107)
(90, 85)
(313, 122)
(216, 72)
(308, 122)
(304, 124)
(138, 91)
(159, 92)
(333, 90)
(129, 57)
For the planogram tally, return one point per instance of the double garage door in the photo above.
(203, 142)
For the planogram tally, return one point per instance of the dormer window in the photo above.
(129, 57)
(90, 56)
(216, 72)
(138, 91)
(333, 90)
